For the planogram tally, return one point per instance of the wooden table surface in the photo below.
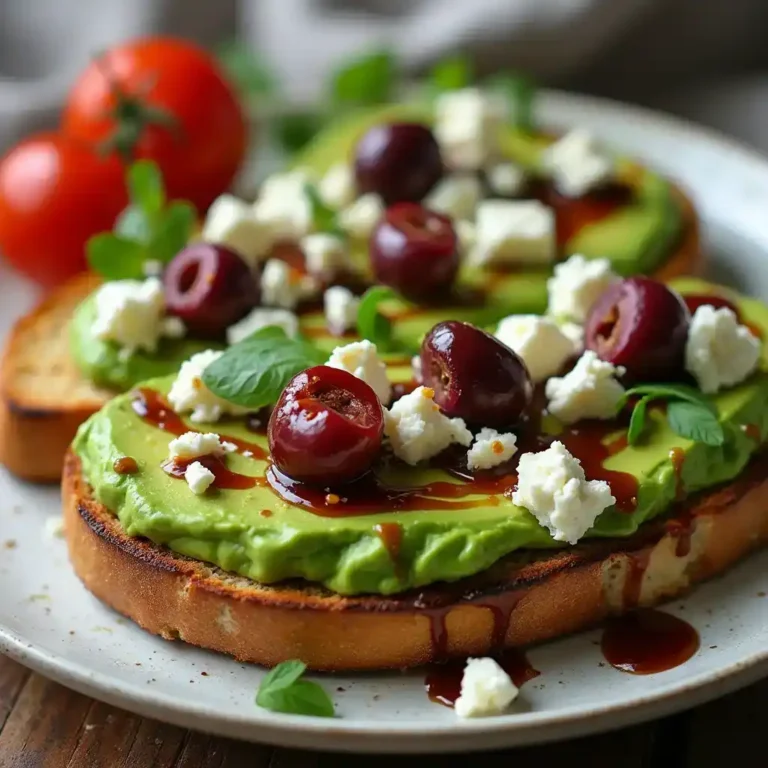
(43, 725)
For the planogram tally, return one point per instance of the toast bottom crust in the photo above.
(525, 598)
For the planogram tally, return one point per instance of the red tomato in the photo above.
(54, 194)
(122, 93)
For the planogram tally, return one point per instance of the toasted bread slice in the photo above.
(525, 598)
(44, 399)
(43, 396)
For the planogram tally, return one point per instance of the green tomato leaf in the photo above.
(116, 258)
(365, 81)
(145, 187)
(254, 372)
(637, 421)
(372, 324)
(695, 422)
(671, 392)
(451, 74)
(520, 92)
(172, 231)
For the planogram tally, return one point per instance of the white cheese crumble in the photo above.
(360, 218)
(283, 206)
(199, 478)
(417, 429)
(232, 222)
(173, 328)
(456, 196)
(262, 317)
(491, 448)
(513, 231)
(466, 127)
(552, 486)
(188, 394)
(576, 285)
(340, 306)
(588, 391)
(361, 359)
(539, 341)
(486, 689)
(324, 253)
(506, 179)
(280, 287)
(130, 313)
(192, 445)
(577, 164)
(337, 187)
(719, 352)
(574, 332)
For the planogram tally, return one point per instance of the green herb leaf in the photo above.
(521, 92)
(324, 218)
(133, 224)
(115, 257)
(145, 187)
(254, 372)
(172, 231)
(372, 324)
(365, 81)
(451, 74)
(671, 392)
(249, 73)
(283, 690)
(294, 130)
(695, 422)
(637, 421)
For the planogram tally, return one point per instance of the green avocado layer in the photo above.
(102, 363)
(227, 527)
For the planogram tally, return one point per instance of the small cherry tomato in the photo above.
(55, 192)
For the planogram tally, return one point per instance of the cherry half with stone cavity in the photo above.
(415, 251)
(398, 161)
(641, 324)
(475, 376)
(327, 427)
(209, 287)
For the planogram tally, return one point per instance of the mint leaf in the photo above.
(324, 218)
(115, 257)
(145, 187)
(637, 421)
(671, 392)
(254, 372)
(695, 422)
(520, 92)
(451, 74)
(372, 324)
(283, 690)
(172, 231)
(365, 81)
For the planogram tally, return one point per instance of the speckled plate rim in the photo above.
(517, 729)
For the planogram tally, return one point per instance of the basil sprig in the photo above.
(283, 690)
(689, 413)
(149, 229)
(371, 323)
(254, 372)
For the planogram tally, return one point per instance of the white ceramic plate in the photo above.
(49, 622)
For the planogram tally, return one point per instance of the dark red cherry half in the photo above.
(327, 427)
(398, 161)
(415, 251)
(643, 325)
(475, 376)
(209, 287)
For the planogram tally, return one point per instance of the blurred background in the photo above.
(702, 59)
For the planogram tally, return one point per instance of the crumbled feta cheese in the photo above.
(130, 313)
(539, 341)
(324, 253)
(359, 219)
(577, 164)
(552, 486)
(576, 285)
(512, 231)
(467, 122)
(262, 317)
(486, 689)
(575, 334)
(491, 448)
(467, 234)
(199, 478)
(341, 307)
(506, 179)
(280, 286)
(337, 187)
(456, 196)
(152, 268)
(362, 360)
(719, 352)
(192, 445)
(188, 394)
(417, 429)
(173, 328)
(283, 206)
(232, 222)
(589, 391)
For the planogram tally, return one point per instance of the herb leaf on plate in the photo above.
(324, 218)
(365, 81)
(283, 690)
(451, 74)
(521, 93)
(695, 423)
(371, 323)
